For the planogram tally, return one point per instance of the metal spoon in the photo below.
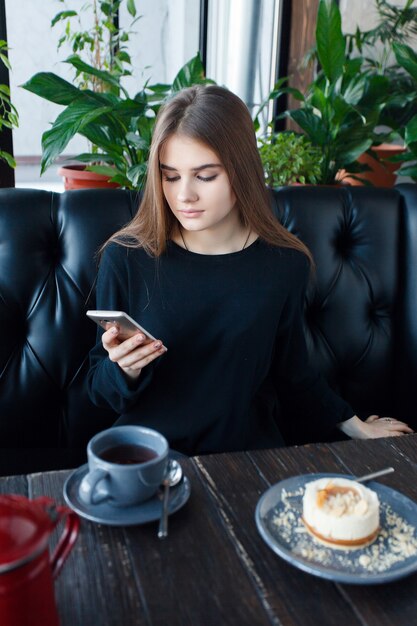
(364, 479)
(172, 477)
(360, 479)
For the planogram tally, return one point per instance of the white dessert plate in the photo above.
(105, 513)
(393, 555)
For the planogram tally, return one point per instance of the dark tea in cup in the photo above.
(126, 465)
(128, 454)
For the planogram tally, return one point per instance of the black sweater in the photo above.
(232, 324)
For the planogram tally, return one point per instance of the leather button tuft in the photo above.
(344, 244)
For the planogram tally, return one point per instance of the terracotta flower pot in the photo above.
(382, 174)
(77, 177)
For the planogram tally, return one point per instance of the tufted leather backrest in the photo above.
(357, 325)
(48, 243)
(361, 320)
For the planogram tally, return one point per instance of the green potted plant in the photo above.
(341, 107)
(375, 47)
(407, 59)
(395, 24)
(117, 125)
(9, 117)
(96, 42)
(289, 158)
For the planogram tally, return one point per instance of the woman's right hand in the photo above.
(132, 354)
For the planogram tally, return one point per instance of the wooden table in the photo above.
(214, 568)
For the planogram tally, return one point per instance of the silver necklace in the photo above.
(187, 248)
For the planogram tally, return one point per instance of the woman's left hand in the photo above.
(385, 427)
(374, 427)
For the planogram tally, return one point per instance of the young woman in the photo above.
(206, 267)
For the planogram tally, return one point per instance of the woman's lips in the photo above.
(191, 213)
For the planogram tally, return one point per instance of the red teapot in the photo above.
(27, 570)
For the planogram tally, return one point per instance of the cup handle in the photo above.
(87, 490)
(68, 536)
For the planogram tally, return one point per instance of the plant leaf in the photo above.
(8, 158)
(408, 170)
(136, 175)
(375, 91)
(62, 15)
(6, 61)
(317, 100)
(104, 137)
(406, 57)
(190, 74)
(129, 108)
(53, 88)
(103, 75)
(106, 8)
(159, 88)
(403, 157)
(330, 40)
(311, 124)
(131, 7)
(353, 91)
(70, 122)
(139, 142)
(351, 152)
(90, 157)
(410, 135)
(106, 170)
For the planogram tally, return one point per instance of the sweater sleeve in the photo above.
(108, 386)
(310, 405)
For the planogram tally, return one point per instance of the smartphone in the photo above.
(126, 324)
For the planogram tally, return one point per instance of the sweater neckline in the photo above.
(177, 249)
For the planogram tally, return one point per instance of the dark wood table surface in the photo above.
(214, 568)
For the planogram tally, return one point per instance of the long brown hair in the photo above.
(216, 117)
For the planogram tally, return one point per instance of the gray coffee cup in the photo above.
(126, 465)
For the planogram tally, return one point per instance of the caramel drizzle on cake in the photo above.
(349, 543)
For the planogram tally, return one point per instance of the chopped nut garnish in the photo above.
(361, 507)
(338, 501)
(396, 542)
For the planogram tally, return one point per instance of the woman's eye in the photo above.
(207, 179)
(171, 179)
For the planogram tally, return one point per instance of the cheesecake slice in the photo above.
(341, 512)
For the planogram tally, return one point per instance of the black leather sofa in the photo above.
(361, 309)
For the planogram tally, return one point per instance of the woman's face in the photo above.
(196, 186)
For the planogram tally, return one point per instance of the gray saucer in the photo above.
(105, 513)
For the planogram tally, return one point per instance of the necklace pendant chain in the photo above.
(247, 239)
(182, 237)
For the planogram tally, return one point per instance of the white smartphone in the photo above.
(126, 324)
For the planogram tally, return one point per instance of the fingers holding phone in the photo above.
(131, 354)
(128, 344)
